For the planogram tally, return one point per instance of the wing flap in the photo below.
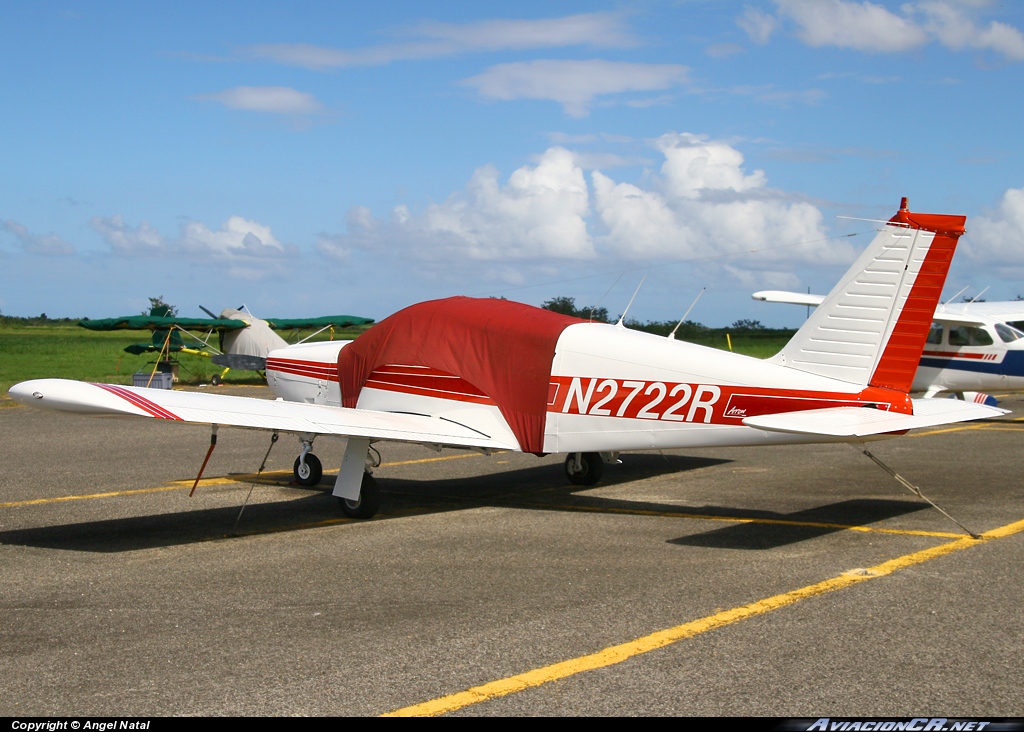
(106, 399)
(863, 422)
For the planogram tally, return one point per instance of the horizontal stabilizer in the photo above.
(864, 421)
(79, 397)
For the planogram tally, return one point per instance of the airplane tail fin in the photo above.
(871, 328)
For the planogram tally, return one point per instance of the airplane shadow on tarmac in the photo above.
(542, 488)
(828, 519)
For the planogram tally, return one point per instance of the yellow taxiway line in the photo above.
(623, 651)
(89, 496)
(178, 485)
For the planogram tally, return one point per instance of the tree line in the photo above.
(688, 330)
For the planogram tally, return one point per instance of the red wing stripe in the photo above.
(140, 401)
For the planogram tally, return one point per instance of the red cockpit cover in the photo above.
(501, 347)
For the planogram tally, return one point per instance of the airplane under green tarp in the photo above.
(244, 340)
(157, 322)
(326, 321)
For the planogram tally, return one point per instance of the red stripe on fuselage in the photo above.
(947, 354)
(398, 378)
(140, 401)
(324, 371)
(663, 401)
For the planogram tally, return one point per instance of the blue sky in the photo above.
(315, 158)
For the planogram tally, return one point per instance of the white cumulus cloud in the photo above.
(704, 204)
(693, 165)
(701, 205)
(46, 244)
(238, 238)
(539, 213)
(574, 84)
(272, 99)
(956, 30)
(998, 239)
(867, 26)
(863, 26)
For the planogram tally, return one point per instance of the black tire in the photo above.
(368, 502)
(216, 380)
(591, 469)
(313, 472)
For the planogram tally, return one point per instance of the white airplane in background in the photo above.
(492, 374)
(971, 348)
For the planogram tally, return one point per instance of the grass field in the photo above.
(70, 352)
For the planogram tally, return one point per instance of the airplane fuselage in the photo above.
(986, 356)
(611, 389)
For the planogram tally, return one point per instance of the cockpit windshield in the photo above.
(1008, 334)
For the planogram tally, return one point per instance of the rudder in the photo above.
(872, 326)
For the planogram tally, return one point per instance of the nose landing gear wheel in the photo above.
(589, 470)
(368, 502)
(309, 473)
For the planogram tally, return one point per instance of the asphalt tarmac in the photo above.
(795, 581)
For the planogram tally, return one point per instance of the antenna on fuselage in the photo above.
(979, 295)
(208, 312)
(956, 295)
(623, 316)
(672, 335)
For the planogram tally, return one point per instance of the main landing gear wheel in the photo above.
(308, 472)
(368, 502)
(589, 470)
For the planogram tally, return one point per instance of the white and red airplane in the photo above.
(491, 374)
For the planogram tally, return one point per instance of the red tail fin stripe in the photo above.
(901, 357)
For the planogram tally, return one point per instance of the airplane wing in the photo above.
(863, 421)
(951, 319)
(154, 322)
(80, 397)
(803, 298)
(790, 298)
(942, 315)
(337, 321)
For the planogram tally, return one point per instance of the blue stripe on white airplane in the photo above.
(1012, 364)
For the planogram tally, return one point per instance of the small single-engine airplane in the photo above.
(492, 374)
(244, 340)
(972, 348)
